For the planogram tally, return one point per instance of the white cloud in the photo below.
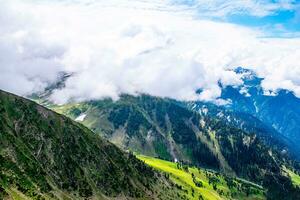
(116, 47)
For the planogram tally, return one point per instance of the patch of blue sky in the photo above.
(277, 24)
(280, 18)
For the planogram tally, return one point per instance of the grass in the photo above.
(17, 195)
(295, 177)
(214, 185)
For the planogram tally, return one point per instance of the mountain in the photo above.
(44, 155)
(280, 111)
(194, 133)
(245, 122)
(166, 128)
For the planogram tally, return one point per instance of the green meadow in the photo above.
(295, 177)
(195, 183)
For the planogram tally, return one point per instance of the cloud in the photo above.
(115, 47)
(28, 62)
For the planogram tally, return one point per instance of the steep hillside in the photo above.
(245, 122)
(165, 128)
(44, 155)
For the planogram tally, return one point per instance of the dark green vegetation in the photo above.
(167, 129)
(247, 123)
(44, 155)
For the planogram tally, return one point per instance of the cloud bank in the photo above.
(157, 47)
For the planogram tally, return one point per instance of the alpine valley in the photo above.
(149, 100)
(235, 141)
(45, 155)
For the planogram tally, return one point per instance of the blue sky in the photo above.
(278, 24)
(278, 18)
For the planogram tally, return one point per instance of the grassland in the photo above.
(295, 177)
(198, 184)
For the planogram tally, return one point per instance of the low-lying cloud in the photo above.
(115, 47)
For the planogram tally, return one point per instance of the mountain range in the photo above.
(45, 155)
(90, 153)
(280, 111)
(195, 133)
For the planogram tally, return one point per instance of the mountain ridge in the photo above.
(279, 111)
(45, 155)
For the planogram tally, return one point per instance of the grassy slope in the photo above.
(184, 179)
(295, 177)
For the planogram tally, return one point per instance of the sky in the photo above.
(167, 48)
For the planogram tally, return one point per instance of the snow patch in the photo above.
(80, 118)
(244, 91)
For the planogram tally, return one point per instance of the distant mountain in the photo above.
(245, 122)
(44, 155)
(280, 111)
